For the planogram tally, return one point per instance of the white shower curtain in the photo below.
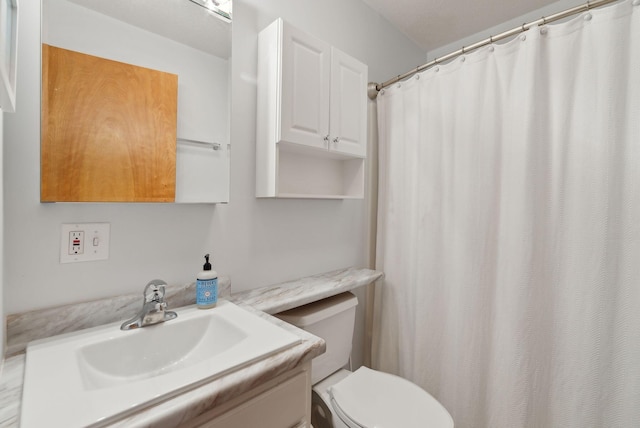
(509, 228)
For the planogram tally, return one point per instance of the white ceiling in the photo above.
(182, 21)
(431, 24)
(435, 23)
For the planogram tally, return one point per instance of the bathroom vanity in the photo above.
(282, 402)
(270, 392)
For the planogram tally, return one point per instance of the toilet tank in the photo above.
(332, 319)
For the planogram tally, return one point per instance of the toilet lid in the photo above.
(372, 399)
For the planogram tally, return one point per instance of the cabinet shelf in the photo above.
(305, 175)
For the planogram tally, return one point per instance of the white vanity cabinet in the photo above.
(312, 117)
(284, 402)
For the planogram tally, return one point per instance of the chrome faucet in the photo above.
(153, 309)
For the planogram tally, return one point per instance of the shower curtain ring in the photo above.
(524, 29)
(589, 5)
(544, 21)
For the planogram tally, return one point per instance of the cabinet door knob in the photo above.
(326, 138)
(336, 140)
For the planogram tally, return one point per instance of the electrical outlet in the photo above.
(84, 242)
(76, 242)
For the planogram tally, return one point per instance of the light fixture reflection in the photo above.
(220, 7)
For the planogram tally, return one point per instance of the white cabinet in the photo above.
(312, 117)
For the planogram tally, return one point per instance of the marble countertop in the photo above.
(174, 411)
(287, 295)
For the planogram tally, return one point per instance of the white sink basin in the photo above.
(97, 376)
(124, 358)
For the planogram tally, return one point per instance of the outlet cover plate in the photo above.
(95, 245)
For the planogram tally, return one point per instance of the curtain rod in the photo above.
(374, 88)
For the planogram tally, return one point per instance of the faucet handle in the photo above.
(154, 308)
(154, 291)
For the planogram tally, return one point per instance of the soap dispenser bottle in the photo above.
(207, 286)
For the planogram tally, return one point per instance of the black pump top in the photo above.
(207, 265)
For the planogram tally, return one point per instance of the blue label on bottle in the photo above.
(206, 291)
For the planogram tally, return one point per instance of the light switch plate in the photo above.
(94, 243)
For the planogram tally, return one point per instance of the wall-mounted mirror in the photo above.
(180, 37)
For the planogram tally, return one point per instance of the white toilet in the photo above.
(365, 398)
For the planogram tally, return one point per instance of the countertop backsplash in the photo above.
(24, 327)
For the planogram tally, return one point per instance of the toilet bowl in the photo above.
(369, 398)
(364, 398)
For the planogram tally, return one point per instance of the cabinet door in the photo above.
(284, 406)
(306, 71)
(108, 130)
(348, 105)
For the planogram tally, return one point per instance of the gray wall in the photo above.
(255, 242)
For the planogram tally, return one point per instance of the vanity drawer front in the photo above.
(282, 406)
